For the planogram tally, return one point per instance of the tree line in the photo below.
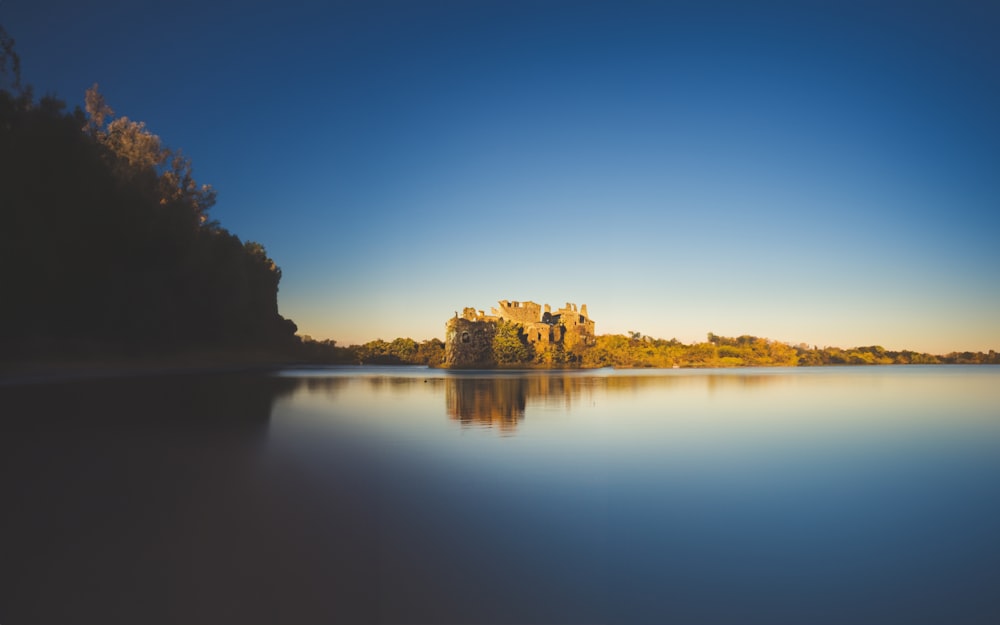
(636, 351)
(107, 241)
(399, 351)
(511, 348)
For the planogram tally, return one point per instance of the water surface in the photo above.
(833, 495)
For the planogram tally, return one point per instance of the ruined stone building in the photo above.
(469, 337)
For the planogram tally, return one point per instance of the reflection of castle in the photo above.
(469, 337)
(486, 401)
(499, 401)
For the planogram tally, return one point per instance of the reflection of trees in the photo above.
(399, 384)
(329, 386)
(500, 400)
(730, 382)
(140, 401)
(108, 484)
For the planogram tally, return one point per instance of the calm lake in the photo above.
(409, 495)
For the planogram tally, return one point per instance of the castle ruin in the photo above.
(469, 337)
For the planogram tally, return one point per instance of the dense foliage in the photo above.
(107, 243)
(510, 346)
(400, 351)
(510, 349)
(751, 351)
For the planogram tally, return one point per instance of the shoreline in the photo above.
(59, 371)
(16, 373)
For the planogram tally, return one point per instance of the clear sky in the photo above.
(818, 172)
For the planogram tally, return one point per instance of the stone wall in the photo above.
(519, 312)
(469, 342)
(575, 320)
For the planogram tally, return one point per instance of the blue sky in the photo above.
(818, 172)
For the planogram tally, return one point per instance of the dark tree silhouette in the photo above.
(106, 245)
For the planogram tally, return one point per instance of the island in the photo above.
(515, 331)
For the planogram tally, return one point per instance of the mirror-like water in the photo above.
(834, 495)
